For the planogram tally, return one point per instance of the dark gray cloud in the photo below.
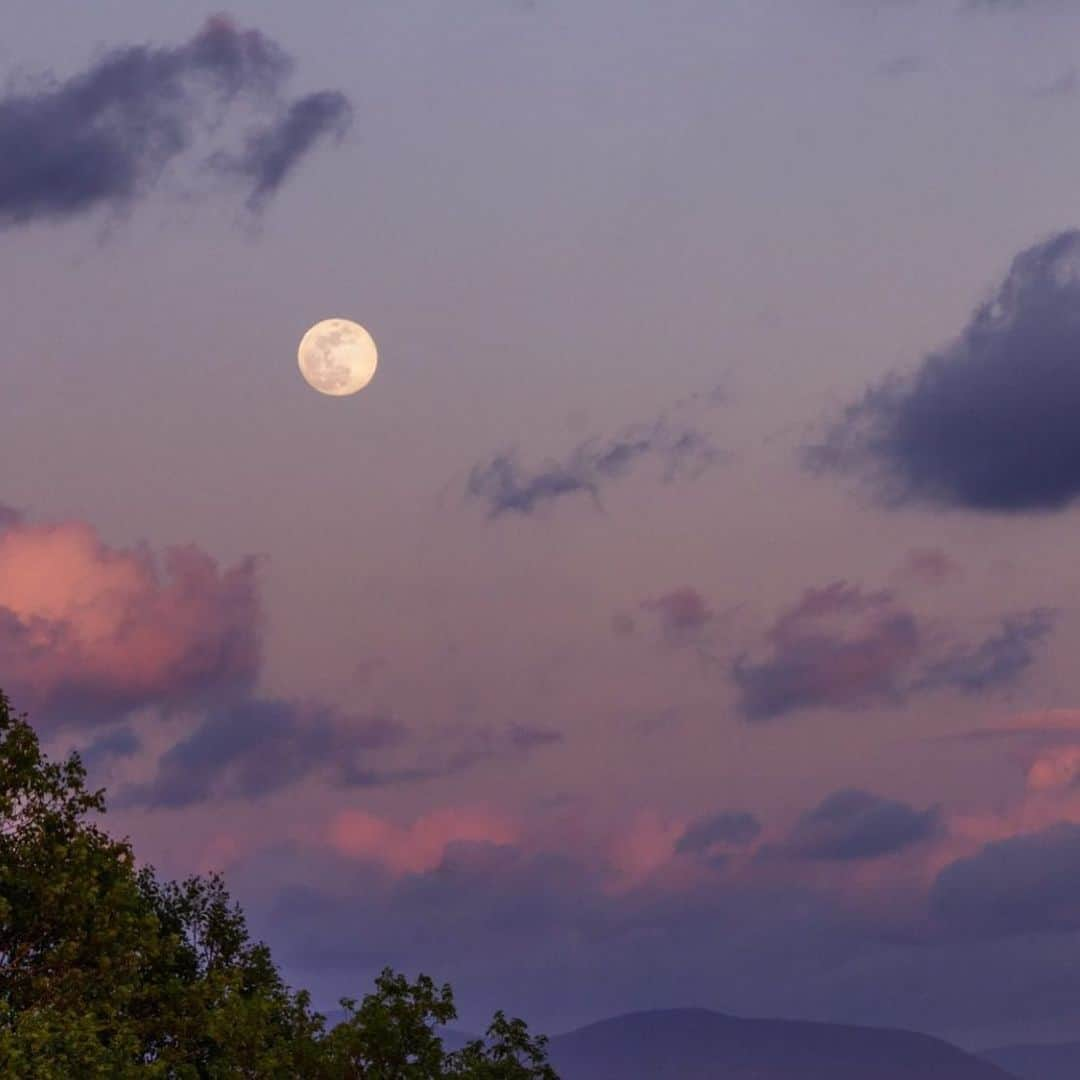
(990, 422)
(119, 743)
(842, 647)
(1019, 886)
(998, 660)
(9, 516)
(509, 488)
(256, 748)
(105, 136)
(726, 830)
(852, 824)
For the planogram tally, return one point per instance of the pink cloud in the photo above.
(100, 630)
(838, 646)
(421, 846)
(646, 846)
(1051, 791)
(624, 855)
(1056, 768)
(843, 647)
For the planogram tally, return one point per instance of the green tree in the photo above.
(393, 1033)
(508, 1052)
(107, 972)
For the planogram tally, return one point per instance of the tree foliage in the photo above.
(108, 972)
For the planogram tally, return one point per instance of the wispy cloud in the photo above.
(106, 135)
(681, 449)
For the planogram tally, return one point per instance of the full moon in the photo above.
(337, 357)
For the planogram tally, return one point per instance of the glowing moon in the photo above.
(337, 357)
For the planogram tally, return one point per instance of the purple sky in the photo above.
(685, 614)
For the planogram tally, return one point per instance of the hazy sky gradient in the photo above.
(572, 228)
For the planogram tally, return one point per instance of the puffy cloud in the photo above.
(852, 824)
(989, 422)
(508, 488)
(88, 631)
(255, 748)
(91, 633)
(843, 647)
(105, 135)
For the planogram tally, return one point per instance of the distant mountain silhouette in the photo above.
(1056, 1062)
(695, 1044)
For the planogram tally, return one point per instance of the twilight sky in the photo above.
(685, 614)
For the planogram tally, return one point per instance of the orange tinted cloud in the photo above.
(107, 630)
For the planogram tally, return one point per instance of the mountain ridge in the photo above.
(699, 1044)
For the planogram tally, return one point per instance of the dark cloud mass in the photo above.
(258, 747)
(853, 824)
(1023, 885)
(119, 743)
(842, 647)
(729, 829)
(990, 422)
(104, 136)
(508, 488)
